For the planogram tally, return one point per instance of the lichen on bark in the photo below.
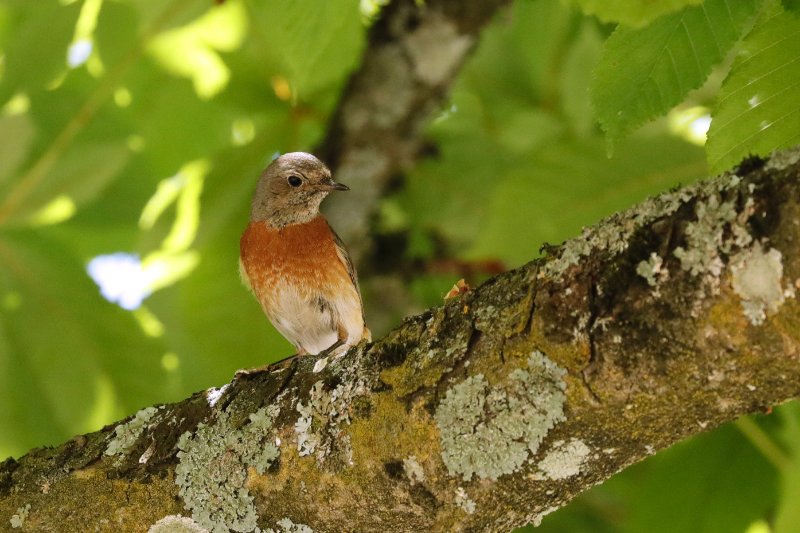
(488, 430)
(212, 470)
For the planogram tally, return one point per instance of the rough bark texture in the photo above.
(413, 55)
(484, 414)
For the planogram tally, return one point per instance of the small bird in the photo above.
(294, 263)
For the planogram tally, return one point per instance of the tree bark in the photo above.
(483, 414)
(413, 55)
(414, 52)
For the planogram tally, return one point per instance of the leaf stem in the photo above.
(763, 443)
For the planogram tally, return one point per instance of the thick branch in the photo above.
(486, 413)
(413, 55)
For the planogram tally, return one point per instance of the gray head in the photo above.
(291, 189)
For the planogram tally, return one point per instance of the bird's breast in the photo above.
(301, 255)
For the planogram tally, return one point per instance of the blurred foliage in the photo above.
(140, 126)
(632, 12)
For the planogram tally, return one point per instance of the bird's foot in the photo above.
(280, 365)
(335, 351)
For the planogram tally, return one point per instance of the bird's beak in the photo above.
(331, 185)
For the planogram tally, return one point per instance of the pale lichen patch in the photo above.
(213, 394)
(176, 524)
(613, 234)
(537, 520)
(565, 459)
(653, 270)
(463, 501)
(287, 526)
(488, 430)
(320, 425)
(18, 519)
(707, 239)
(413, 470)
(783, 159)
(756, 278)
(212, 471)
(125, 435)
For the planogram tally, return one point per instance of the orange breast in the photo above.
(303, 255)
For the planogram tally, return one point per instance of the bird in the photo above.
(296, 265)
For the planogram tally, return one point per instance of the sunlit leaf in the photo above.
(16, 135)
(632, 12)
(30, 60)
(192, 51)
(758, 110)
(645, 72)
(82, 174)
(64, 371)
(316, 41)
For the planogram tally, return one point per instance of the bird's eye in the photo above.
(294, 181)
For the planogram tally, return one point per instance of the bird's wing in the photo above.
(344, 257)
(341, 251)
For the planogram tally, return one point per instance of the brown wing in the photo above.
(341, 251)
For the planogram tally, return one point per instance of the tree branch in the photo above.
(486, 413)
(414, 53)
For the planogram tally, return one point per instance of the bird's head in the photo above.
(291, 189)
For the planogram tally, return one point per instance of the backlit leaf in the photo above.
(632, 12)
(758, 110)
(318, 41)
(644, 73)
(36, 53)
(16, 135)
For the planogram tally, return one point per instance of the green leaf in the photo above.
(791, 5)
(161, 15)
(520, 57)
(77, 179)
(582, 56)
(116, 32)
(317, 42)
(646, 72)
(16, 135)
(787, 515)
(36, 51)
(710, 483)
(758, 109)
(632, 12)
(71, 362)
